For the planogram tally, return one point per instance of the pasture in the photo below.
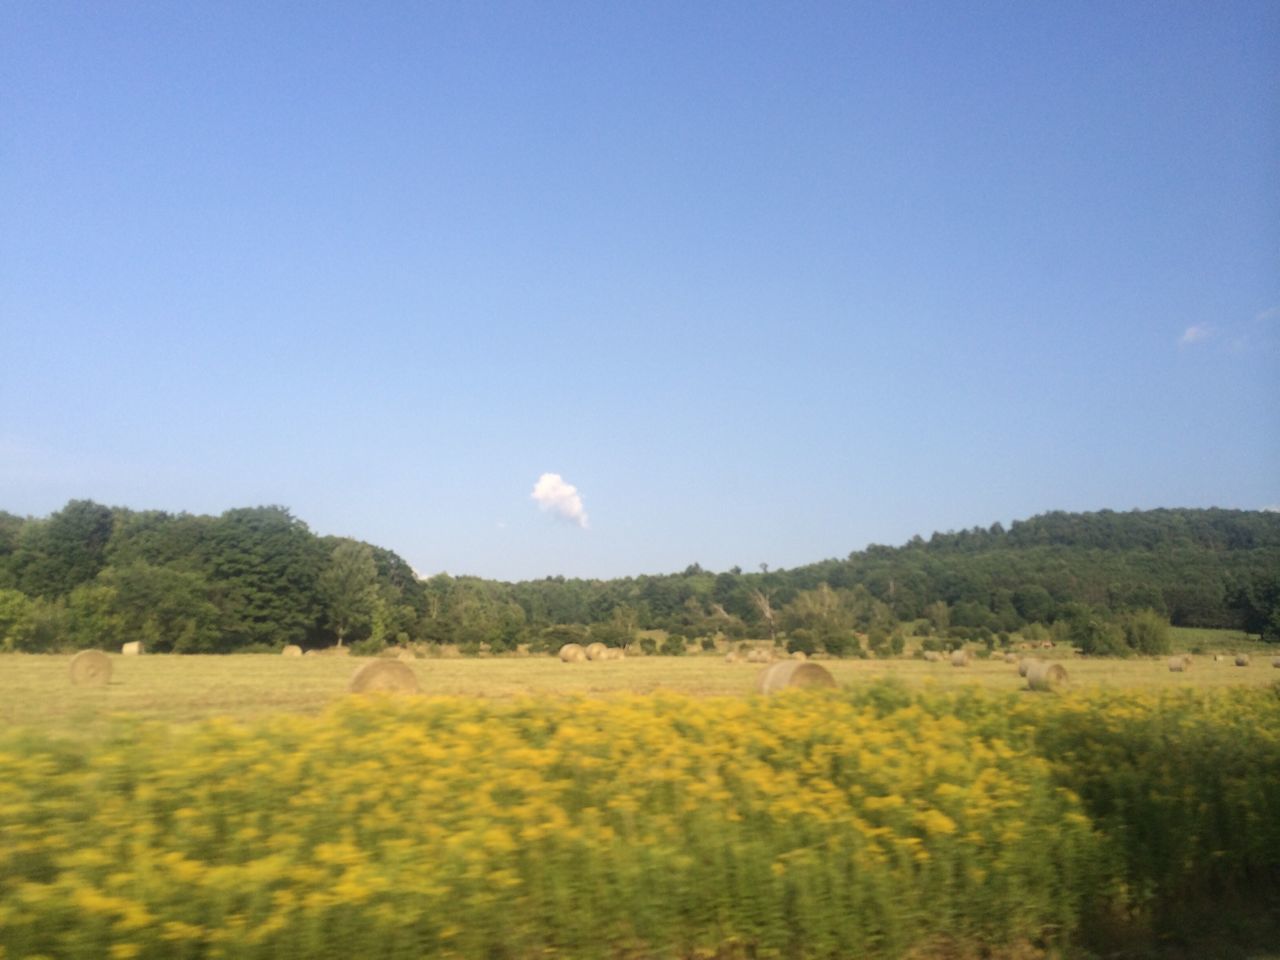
(35, 690)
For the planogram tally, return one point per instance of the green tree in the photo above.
(169, 610)
(15, 610)
(52, 556)
(1147, 633)
(264, 567)
(821, 619)
(348, 589)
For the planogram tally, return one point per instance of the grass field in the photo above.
(914, 820)
(35, 690)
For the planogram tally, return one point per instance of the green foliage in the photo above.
(15, 609)
(1147, 633)
(348, 588)
(673, 646)
(272, 581)
(53, 556)
(1096, 636)
(170, 610)
(267, 563)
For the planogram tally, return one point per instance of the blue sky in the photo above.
(764, 282)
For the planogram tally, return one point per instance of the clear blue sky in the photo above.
(765, 282)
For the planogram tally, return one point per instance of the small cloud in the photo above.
(1273, 508)
(553, 494)
(1195, 334)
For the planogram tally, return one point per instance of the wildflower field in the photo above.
(877, 820)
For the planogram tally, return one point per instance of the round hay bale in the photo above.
(960, 658)
(932, 656)
(406, 656)
(1010, 658)
(1276, 662)
(132, 649)
(731, 657)
(1242, 659)
(384, 676)
(799, 655)
(793, 675)
(1024, 665)
(615, 653)
(90, 668)
(292, 650)
(1218, 658)
(572, 653)
(1178, 664)
(596, 651)
(1046, 677)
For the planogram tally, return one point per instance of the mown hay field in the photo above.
(35, 689)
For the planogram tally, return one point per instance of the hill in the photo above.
(257, 578)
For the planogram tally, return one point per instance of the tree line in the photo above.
(257, 578)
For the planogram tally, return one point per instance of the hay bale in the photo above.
(960, 658)
(90, 668)
(1010, 658)
(1024, 665)
(406, 656)
(932, 656)
(731, 657)
(596, 651)
(572, 653)
(132, 649)
(1242, 659)
(1178, 664)
(1046, 677)
(615, 653)
(292, 650)
(793, 675)
(1276, 662)
(799, 655)
(384, 676)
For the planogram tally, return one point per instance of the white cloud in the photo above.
(1195, 334)
(553, 494)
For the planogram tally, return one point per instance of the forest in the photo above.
(257, 578)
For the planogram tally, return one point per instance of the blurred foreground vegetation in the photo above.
(880, 822)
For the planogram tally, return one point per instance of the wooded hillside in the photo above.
(258, 578)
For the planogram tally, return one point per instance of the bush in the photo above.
(674, 646)
(1097, 637)
(372, 646)
(801, 641)
(1148, 633)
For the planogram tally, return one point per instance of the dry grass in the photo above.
(34, 689)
